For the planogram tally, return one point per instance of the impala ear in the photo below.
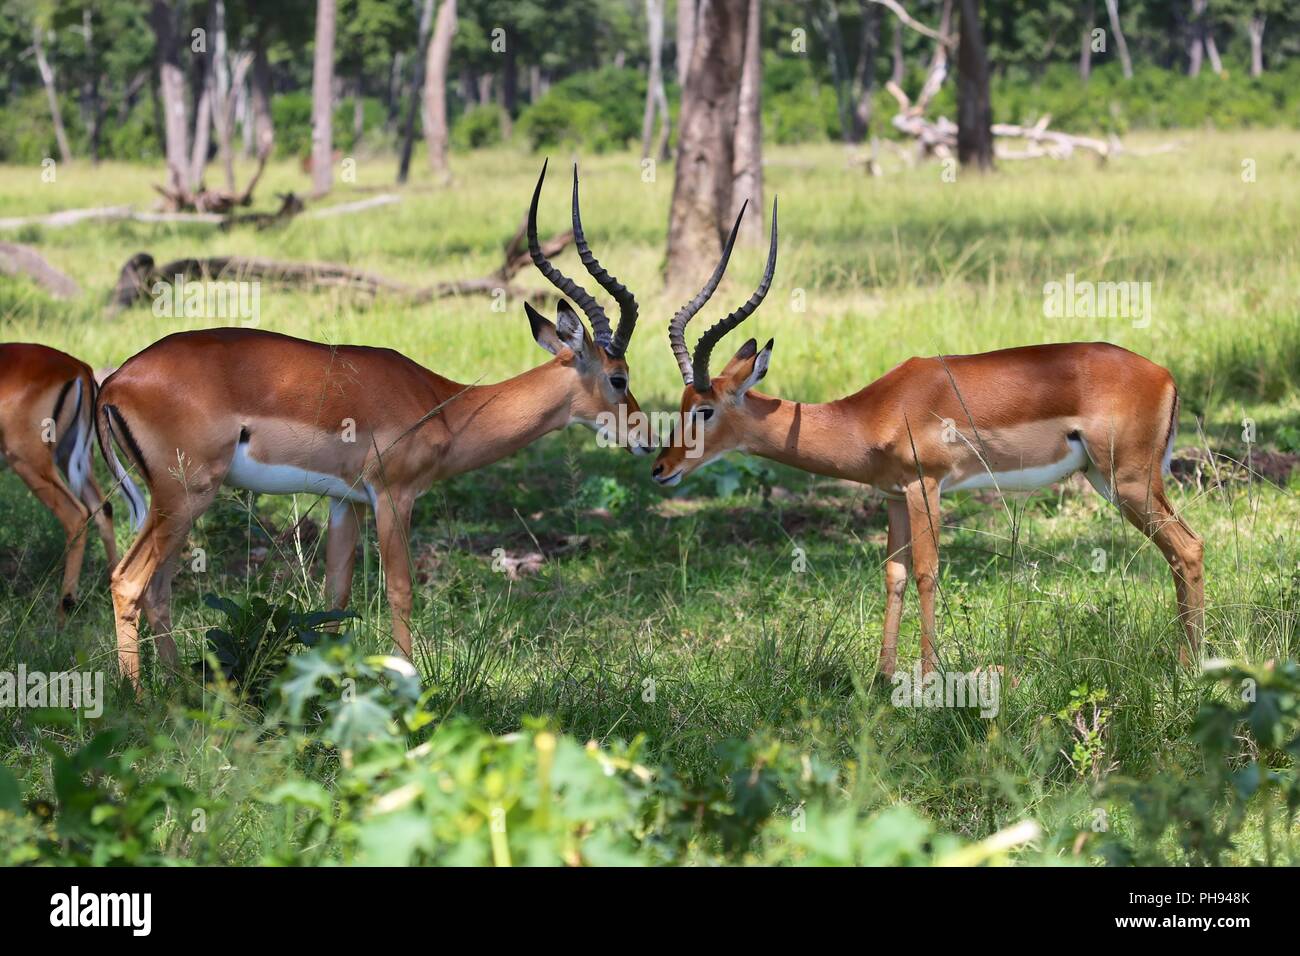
(569, 333)
(759, 368)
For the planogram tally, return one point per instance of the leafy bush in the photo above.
(477, 127)
(598, 111)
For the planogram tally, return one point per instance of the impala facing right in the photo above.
(1014, 420)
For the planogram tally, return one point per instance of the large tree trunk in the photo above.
(260, 96)
(974, 111)
(171, 83)
(1112, 11)
(51, 94)
(322, 100)
(747, 163)
(698, 219)
(435, 88)
(1085, 47)
(654, 13)
(1256, 28)
(417, 83)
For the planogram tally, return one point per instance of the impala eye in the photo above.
(705, 412)
(618, 381)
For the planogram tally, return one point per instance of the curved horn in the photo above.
(704, 347)
(677, 327)
(627, 307)
(595, 314)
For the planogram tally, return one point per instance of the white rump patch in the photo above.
(252, 475)
(1025, 479)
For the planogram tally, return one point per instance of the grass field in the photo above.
(751, 600)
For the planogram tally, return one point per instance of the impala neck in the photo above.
(821, 438)
(491, 422)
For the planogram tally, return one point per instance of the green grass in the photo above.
(698, 593)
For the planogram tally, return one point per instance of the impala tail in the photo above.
(72, 453)
(106, 418)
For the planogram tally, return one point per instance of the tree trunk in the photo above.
(260, 97)
(509, 91)
(322, 100)
(698, 218)
(826, 21)
(1196, 37)
(1256, 28)
(417, 83)
(435, 88)
(51, 94)
(974, 111)
(864, 82)
(1212, 51)
(223, 110)
(897, 66)
(1112, 11)
(171, 82)
(94, 105)
(686, 18)
(358, 109)
(1085, 47)
(654, 14)
(201, 91)
(747, 163)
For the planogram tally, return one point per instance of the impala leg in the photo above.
(72, 514)
(393, 519)
(923, 515)
(1147, 508)
(341, 552)
(158, 599)
(93, 496)
(898, 566)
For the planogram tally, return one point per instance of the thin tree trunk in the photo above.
(171, 83)
(201, 84)
(747, 163)
(358, 109)
(534, 83)
(1256, 28)
(654, 14)
(51, 94)
(223, 112)
(1196, 37)
(417, 83)
(826, 21)
(864, 81)
(974, 111)
(1212, 51)
(897, 66)
(509, 91)
(1085, 47)
(435, 87)
(322, 100)
(260, 96)
(1112, 11)
(702, 185)
(94, 105)
(686, 19)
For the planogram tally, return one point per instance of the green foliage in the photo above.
(597, 111)
(477, 127)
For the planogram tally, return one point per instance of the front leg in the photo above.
(898, 565)
(393, 519)
(923, 513)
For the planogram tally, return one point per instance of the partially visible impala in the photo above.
(47, 401)
(364, 426)
(1015, 419)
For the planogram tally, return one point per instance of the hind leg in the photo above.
(72, 515)
(898, 565)
(102, 513)
(341, 551)
(1147, 508)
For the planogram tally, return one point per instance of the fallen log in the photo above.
(16, 259)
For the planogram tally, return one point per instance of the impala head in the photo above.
(714, 413)
(601, 396)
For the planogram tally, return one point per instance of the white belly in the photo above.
(252, 475)
(1025, 479)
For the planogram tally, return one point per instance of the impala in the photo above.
(1014, 420)
(46, 435)
(364, 426)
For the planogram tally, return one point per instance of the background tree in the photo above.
(974, 109)
(322, 100)
(435, 87)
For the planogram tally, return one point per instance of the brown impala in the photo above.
(47, 400)
(269, 413)
(1015, 420)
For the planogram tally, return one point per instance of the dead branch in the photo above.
(907, 20)
(23, 260)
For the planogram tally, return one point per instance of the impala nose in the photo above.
(658, 470)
